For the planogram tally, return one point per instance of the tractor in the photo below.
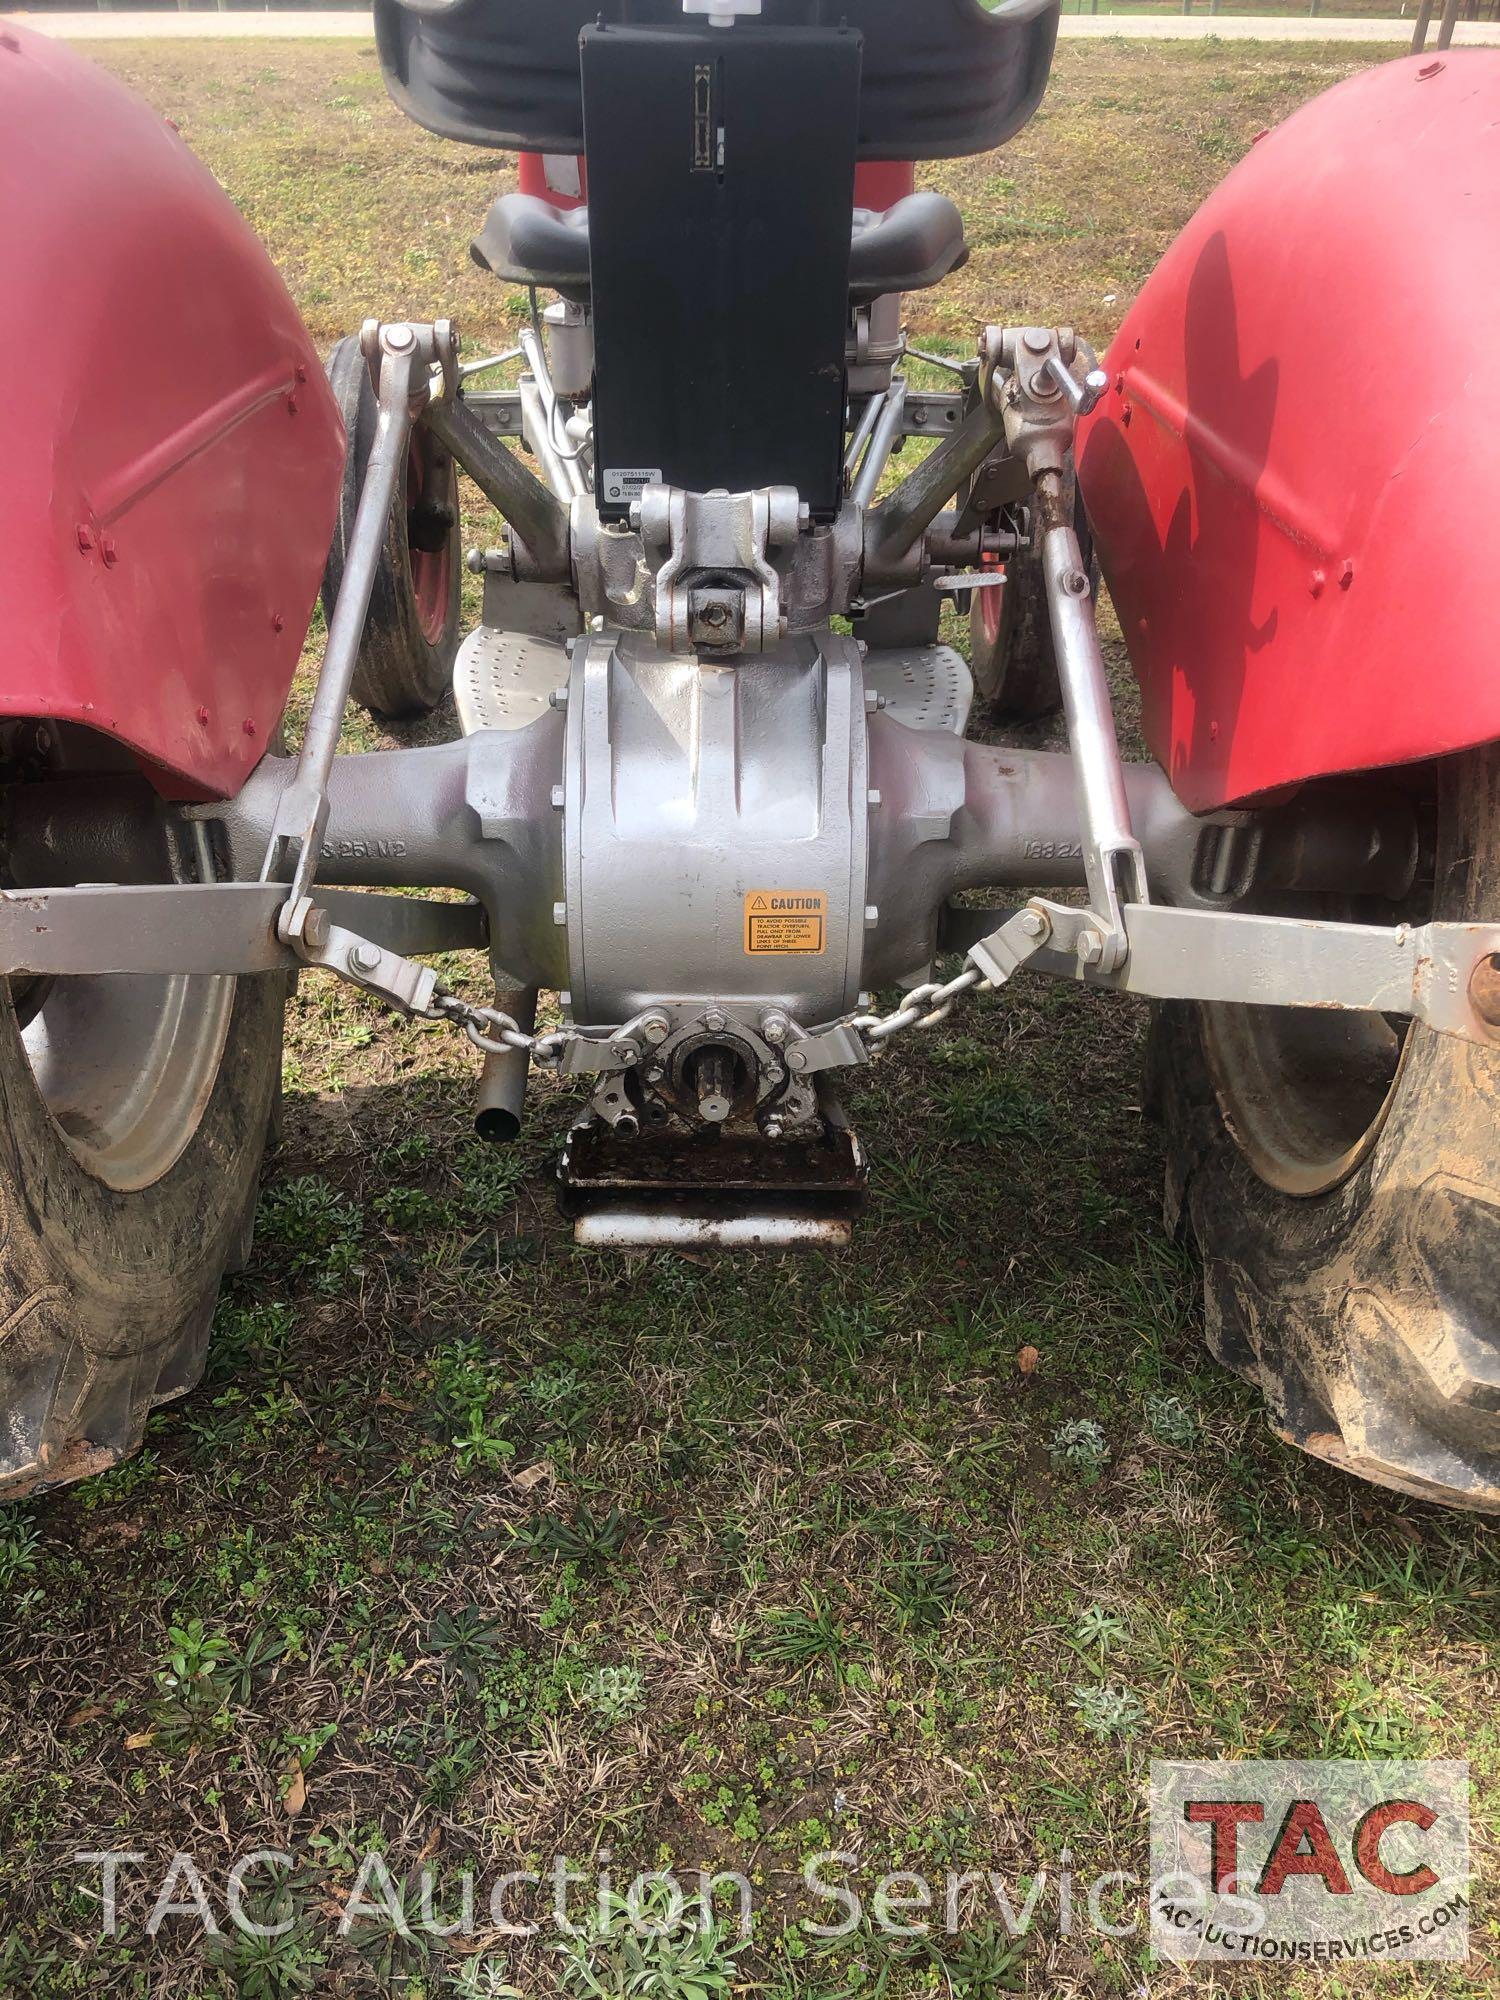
(718, 781)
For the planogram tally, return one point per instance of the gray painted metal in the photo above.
(691, 784)
(505, 680)
(922, 687)
(659, 1229)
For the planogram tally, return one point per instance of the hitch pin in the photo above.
(1082, 396)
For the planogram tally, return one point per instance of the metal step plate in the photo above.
(504, 680)
(925, 687)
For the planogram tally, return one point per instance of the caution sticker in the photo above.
(785, 920)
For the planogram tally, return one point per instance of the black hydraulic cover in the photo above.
(721, 180)
(942, 78)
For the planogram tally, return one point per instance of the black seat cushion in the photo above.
(912, 245)
(942, 78)
(527, 241)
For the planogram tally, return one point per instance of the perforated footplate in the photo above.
(926, 687)
(504, 680)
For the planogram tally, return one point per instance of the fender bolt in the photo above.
(109, 552)
(202, 718)
(278, 623)
(1484, 989)
(85, 538)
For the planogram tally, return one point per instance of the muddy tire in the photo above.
(1010, 629)
(133, 1118)
(412, 631)
(1346, 1203)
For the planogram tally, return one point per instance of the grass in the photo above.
(476, 1549)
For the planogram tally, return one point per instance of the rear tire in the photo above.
(411, 635)
(1010, 628)
(1347, 1205)
(133, 1119)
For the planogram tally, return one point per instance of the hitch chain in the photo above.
(495, 1033)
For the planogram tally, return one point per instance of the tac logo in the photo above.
(1310, 1863)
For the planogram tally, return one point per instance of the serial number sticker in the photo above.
(629, 482)
(785, 920)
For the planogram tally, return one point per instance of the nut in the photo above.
(364, 958)
(1033, 923)
(625, 1051)
(715, 1021)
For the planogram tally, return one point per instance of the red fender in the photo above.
(173, 454)
(1294, 478)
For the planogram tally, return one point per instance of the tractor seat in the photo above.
(527, 241)
(915, 244)
(906, 248)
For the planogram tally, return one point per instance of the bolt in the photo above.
(474, 561)
(872, 916)
(559, 798)
(872, 800)
(627, 1124)
(1315, 583)
(364, 958)
(1090, 947)
(797, 1059)
(1484, 989)
(278, 623)
(774, 1027)
(655, 1074)
(655, 1027)
(109, 552)
(1075, 583)
(625, 1051)
(248, 725)
(558, 697)
(559, 914)
(772, 1128)
(202, 718)
(1033, 923)
(85, 538)
(315, 928)
(715, 1021)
